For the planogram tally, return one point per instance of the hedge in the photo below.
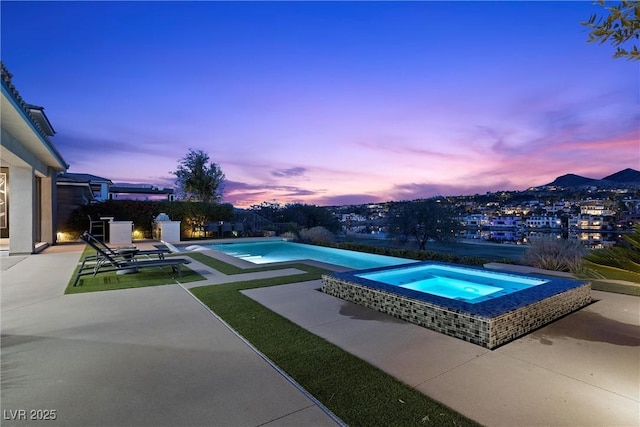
(144, 212)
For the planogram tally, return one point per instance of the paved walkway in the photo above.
(135, 357)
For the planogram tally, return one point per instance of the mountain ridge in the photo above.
(625, 177)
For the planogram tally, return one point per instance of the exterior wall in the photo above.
(32, 163)
(4, 202)
(23, 201)
(460, 325)
(510, 326)
(48, 212)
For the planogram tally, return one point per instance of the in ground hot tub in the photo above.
(481, 306)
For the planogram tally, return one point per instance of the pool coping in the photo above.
(243, 263)
(489, 308)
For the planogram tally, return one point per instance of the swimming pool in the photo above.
(481, 306)
(265, 252)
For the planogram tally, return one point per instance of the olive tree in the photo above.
(199, 179)
(424, 220)
(620, 26)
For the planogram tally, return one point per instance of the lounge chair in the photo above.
(168, 247)
(105, 262)
(126, 251)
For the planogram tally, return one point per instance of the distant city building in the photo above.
(475, 220)
(543, 222)
(587, 222)
(597, 210)
(510, 221)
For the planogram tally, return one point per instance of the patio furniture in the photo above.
(106, 262)
(166, 246)
(125, 251)
(97, 228)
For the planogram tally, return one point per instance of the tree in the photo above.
(305, 216)
(309, 216)
(431, 219)
(621, 25)
(201, 182)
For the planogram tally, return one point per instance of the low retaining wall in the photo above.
(489, 332)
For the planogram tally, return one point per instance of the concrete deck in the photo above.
(156, 356)
(582, 370)
(136, 357)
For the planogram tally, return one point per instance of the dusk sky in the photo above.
(328, 103)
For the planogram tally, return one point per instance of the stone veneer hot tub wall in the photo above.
(489, 323)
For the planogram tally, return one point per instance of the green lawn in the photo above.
(613, 272)
(111, 281)
(616, 288)
(599, 275)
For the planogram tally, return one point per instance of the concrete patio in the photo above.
(582, 370)
(156, 356)
(136, 357)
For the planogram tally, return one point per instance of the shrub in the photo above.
(414, 254)
(317, 235)
(554, 254)
(143, 213)
(289, 235)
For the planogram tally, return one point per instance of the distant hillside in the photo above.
(626, 177)
(572, 180)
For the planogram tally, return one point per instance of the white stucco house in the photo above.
(29, 165)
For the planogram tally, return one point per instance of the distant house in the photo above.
(29, 165)
(88, 187)
(79, 189)
(506, 222)
(587, 222)
(475, 220)
(140, 191)
(541, 221)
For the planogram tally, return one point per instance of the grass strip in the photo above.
(599, 276)
(616, 288)
(229, 269)
(111, 281)
(357, 392)
(613, 273)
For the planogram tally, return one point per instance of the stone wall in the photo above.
(485, 331)
(511, 325)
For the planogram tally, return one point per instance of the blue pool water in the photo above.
(460, 283)
(279, 251)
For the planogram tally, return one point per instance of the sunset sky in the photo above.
(328, 103)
